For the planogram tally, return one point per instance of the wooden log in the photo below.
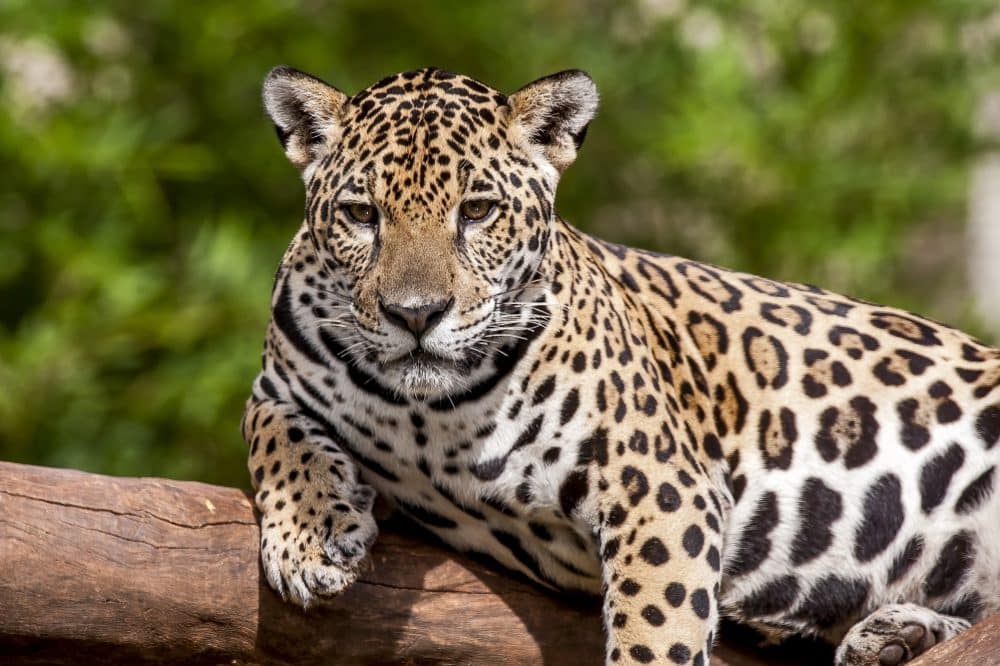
(123, 570)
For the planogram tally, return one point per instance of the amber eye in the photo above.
(362, 213)
(475, 210)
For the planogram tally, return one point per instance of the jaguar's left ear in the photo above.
(552, 114)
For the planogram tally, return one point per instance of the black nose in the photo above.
(417, 320)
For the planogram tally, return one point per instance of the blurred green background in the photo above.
(145, 203)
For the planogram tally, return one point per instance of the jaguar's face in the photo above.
(430, 199)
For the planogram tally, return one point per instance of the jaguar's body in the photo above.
(687, 441)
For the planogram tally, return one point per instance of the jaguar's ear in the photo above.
(305, 112)
(552, 114)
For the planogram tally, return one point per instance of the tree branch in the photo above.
(126, 570)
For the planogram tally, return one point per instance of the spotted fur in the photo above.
(688, 441)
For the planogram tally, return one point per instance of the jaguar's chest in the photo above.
(485, 478)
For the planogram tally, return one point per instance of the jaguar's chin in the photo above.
(421, 374)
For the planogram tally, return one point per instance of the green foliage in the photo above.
(144, 202)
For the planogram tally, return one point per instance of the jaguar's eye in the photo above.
(362, 213)
(476, 209)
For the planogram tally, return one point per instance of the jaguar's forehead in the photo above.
(432, 85)
(415, 135)
(431, 98)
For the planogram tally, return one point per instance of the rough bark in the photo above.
(125, 570)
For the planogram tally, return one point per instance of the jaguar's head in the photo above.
(429, 197)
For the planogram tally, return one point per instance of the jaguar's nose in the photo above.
(418, 320)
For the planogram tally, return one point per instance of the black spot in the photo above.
(544, 390)
(935, 477)
(739, 485)
(635, 484)
(819, 508)
(675, 594)
(629, 587)
(826, 442)
(617, 515)
(988, 426)
(712, 523)
(268, 387)
(569, 406)
(489, 469)
(712, 557)
(641, 653)
(530, 433)
(881, 519)
(774, 596)
(572, 490)
(654, 552)
(610, 549)
(976, 493)
(295, 434)
(619, 620)
(914, 436)
(833, 600)
(916, 362)
(629, 281)
(905, 559)
(598, 445)
(700, 603)
(653, 615)
(667, 498)
(579, 362)
(684, 477)
(679, 653)
(712, 446)
(863, 448)
(551, 455)
(693, 540)
(948, 412)
(951, 565)
(755, 545)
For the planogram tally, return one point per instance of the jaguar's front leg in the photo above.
(661, 550)
(316, 521)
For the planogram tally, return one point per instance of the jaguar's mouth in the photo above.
(421, 373)
(419, 357)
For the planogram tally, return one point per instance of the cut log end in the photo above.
(126, 570)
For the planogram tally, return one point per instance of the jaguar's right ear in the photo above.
(306, 114)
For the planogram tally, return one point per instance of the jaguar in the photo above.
(688, 442)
